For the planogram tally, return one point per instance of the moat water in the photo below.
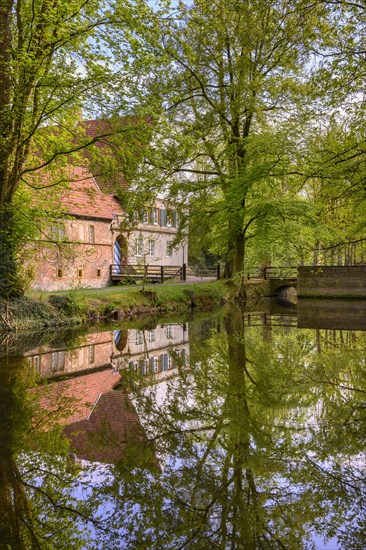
(233, 429)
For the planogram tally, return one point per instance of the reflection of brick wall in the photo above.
(78, 260)
(93, 353)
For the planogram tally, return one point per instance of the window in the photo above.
(91, 234)
(80, 273)
(145, 217)
(139, 337)
(59, 273)
(155, 216)
(151, 247)
(139, 246)
(151, 335)
(163, 218)
(169, 249)
(175, 219)
(169, 218)
(91, 354)
(57, 231)
(99, 273)
(169, 331)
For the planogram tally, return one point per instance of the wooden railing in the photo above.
(204, 271)
(285, 272)
(148, 273)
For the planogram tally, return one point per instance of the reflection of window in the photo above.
(91, 234)
(155, 364)
(139, 337)
(169, 331)
(36, 362)
(164, 361)
(144, 367)
(139, 246)
(57, 361)
(151, 245)
(57, 231)
(169, 249)
(91, 353)
(151, 335)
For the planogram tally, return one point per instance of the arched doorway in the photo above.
(120, 251)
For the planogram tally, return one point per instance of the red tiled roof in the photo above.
(76, 397)
(82, 197)
(123, 140)
(112, 426)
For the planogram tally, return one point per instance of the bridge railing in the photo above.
(280, 272)
(271, 319)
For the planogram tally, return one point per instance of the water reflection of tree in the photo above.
(38, 480)
(252, 445)
(246, 446)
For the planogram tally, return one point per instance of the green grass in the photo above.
(166, 296)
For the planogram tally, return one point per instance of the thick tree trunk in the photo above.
(235, 264)
(10, 282)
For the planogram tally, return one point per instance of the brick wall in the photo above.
(332, 281)
(77, 262)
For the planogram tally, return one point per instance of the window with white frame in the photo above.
(91, 354)
(139, 246)
(145, 216)
(58, 231)
(169, 249)
(154, 216)
(151, 335)
(151, 247)
(169, 331)
(91, 234)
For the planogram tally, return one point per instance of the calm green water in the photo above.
(230, 430)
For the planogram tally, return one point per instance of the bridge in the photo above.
(313, 281)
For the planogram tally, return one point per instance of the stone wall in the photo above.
(331, 282)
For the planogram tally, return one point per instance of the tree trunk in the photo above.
(10, 282)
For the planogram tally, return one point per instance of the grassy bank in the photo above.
(87, 306)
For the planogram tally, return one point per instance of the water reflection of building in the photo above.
(152, 351)
(157, 351)
(100, 421)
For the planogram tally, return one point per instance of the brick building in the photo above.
(87, 247)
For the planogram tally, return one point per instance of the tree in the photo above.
(54, 62)
(235, 74)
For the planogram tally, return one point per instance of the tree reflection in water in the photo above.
(257, 443)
